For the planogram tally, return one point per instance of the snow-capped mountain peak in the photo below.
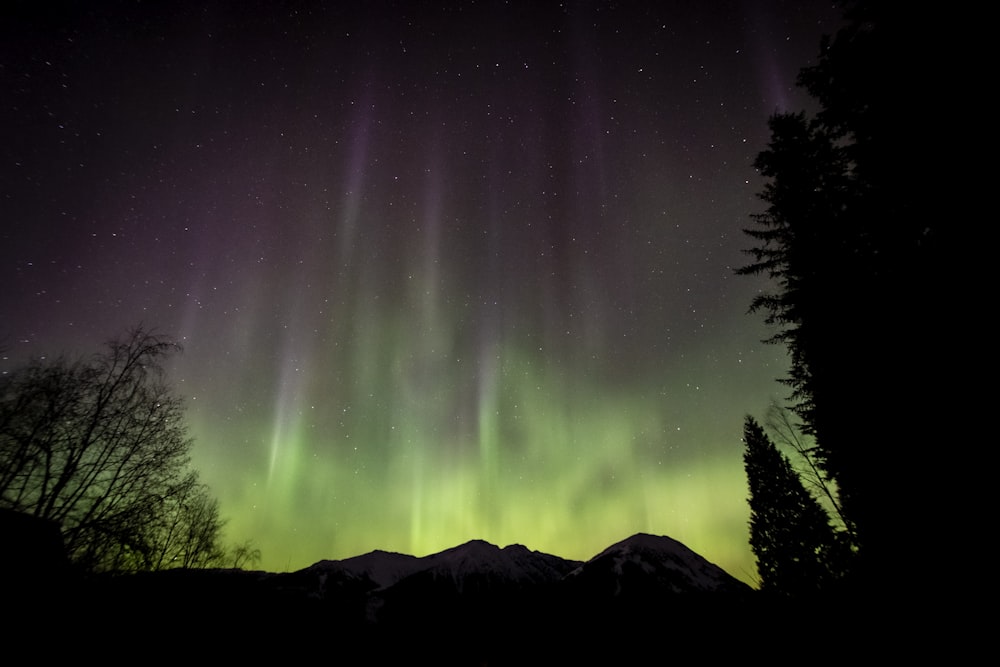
(659, 561)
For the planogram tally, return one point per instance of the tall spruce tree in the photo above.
(790, 533)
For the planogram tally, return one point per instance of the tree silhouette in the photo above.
(790, 533)
(188, 529)
(242, 555)
(99, 447)
(858, 268)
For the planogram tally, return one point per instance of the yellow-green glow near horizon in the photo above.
(424, 447)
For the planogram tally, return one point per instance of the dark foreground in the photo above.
(235, 616)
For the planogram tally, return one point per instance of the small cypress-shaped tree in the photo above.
(790, 533)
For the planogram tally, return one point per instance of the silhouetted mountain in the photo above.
(479, 590)
(514, 565)
(650, 565)
(477, 583)
(642, 564)
(648, 586)
(381, 568)
(639, 563)
(383, 587)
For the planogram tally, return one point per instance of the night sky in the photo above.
(441, 271)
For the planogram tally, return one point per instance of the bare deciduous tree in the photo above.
(99, 446)
(244, 555)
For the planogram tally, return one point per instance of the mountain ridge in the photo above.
(640, 560)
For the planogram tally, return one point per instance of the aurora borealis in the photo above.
(441, 271)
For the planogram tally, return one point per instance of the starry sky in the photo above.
(441, 271)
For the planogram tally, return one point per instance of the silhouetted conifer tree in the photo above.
(790, 533)
(858, 266)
